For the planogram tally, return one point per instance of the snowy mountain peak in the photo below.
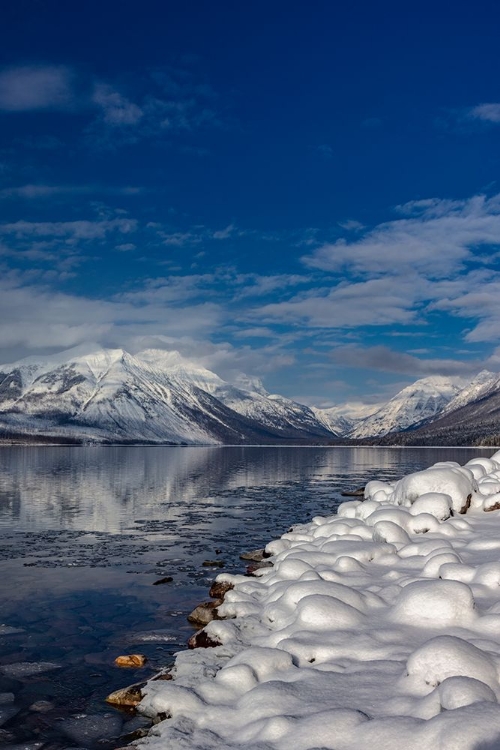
(251, 384)
(479, 387)
(155, 396)
(424, 399)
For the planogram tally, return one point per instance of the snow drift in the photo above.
(377, 627)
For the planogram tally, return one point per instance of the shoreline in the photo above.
(374, 595)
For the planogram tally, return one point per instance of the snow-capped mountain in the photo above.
(270, 410)
(342, 419)
(423, 400)
(91, 393)
(483, 385)
(472, 418)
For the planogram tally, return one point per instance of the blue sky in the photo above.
(304, 192)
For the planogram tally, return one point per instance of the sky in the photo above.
(305, 192)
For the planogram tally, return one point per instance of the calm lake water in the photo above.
(85, 532)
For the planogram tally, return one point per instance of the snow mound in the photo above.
(435, 604)
(448, 656)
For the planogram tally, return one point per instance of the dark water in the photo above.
(85, 532)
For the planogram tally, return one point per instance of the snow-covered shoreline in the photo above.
(377, 627)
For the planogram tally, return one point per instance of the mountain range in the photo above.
(91, 394)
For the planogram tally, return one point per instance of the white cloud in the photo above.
(475, 296)
(34, 316)
(35, 88)
(375, 302)
(437, 240)
(489, 112)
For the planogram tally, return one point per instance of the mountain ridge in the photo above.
(92, 394)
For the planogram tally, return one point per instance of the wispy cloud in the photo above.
(376, 302)
(153, 104)
(489, 112)
(117, 110)
(35, 316)
(437, 239)
(36, 191)
(36, 88)
(75, 230)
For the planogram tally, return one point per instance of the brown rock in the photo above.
(218, 589)
(201, 639)
(129, 696)
(496, 506)
(167, 579)
(131, 660)
(205, 612)
(257, 566)
(256, 556)
(213, 563)
(466, 505)
(162, 676)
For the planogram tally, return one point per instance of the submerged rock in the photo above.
(131, 660)
(256, 556)
(213, 563)
(166, 579)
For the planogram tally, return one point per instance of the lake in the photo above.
(87, 531)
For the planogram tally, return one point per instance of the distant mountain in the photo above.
(342, 419)
(91, 393)
(109, 395)
(423, 400)
(479, 387)
(472, 418)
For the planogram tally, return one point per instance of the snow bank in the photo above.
(378, 627)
